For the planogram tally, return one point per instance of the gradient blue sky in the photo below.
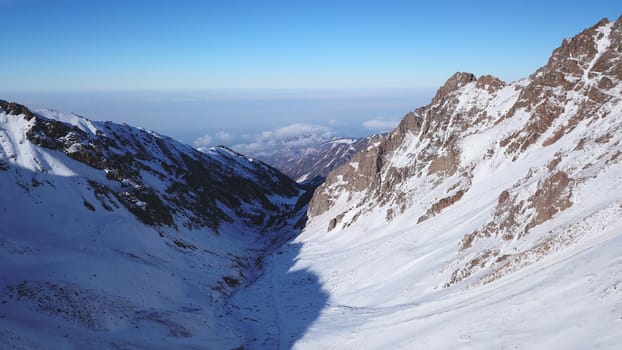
(76, 46)
(190, 44)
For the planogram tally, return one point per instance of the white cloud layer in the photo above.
(294, 135)
(203, 141)
(207, 140)
(296, 130)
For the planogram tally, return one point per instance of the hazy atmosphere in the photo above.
(239, 116)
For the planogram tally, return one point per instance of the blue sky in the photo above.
(63, 47)
(191, 44)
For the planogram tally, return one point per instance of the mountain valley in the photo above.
(488, 219)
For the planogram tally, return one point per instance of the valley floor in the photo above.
(544, 306)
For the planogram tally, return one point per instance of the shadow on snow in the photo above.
(281, 305)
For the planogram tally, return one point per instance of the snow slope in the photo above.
(117, 237)
(489, 219)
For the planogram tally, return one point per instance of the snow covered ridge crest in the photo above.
(526, 152)
(161, 181)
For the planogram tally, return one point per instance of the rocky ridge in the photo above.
(550, 135)
(198, 189)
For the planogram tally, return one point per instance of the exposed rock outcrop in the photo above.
(554, 130)
(201, 189)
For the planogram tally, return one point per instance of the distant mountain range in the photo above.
(311, 163)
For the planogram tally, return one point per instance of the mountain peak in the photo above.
(456, 81)
(588, 64)
(13, 108)
(594, 50)
(602, 22)
(436, 143)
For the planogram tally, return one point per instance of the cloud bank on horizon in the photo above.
(251, 118)
(290, 136)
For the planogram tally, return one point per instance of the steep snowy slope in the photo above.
(117, 237)
(489, 219)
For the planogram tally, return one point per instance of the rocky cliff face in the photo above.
(536, 143)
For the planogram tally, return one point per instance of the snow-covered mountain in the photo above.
(489, 219)
(311, 163)
(116, 237)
